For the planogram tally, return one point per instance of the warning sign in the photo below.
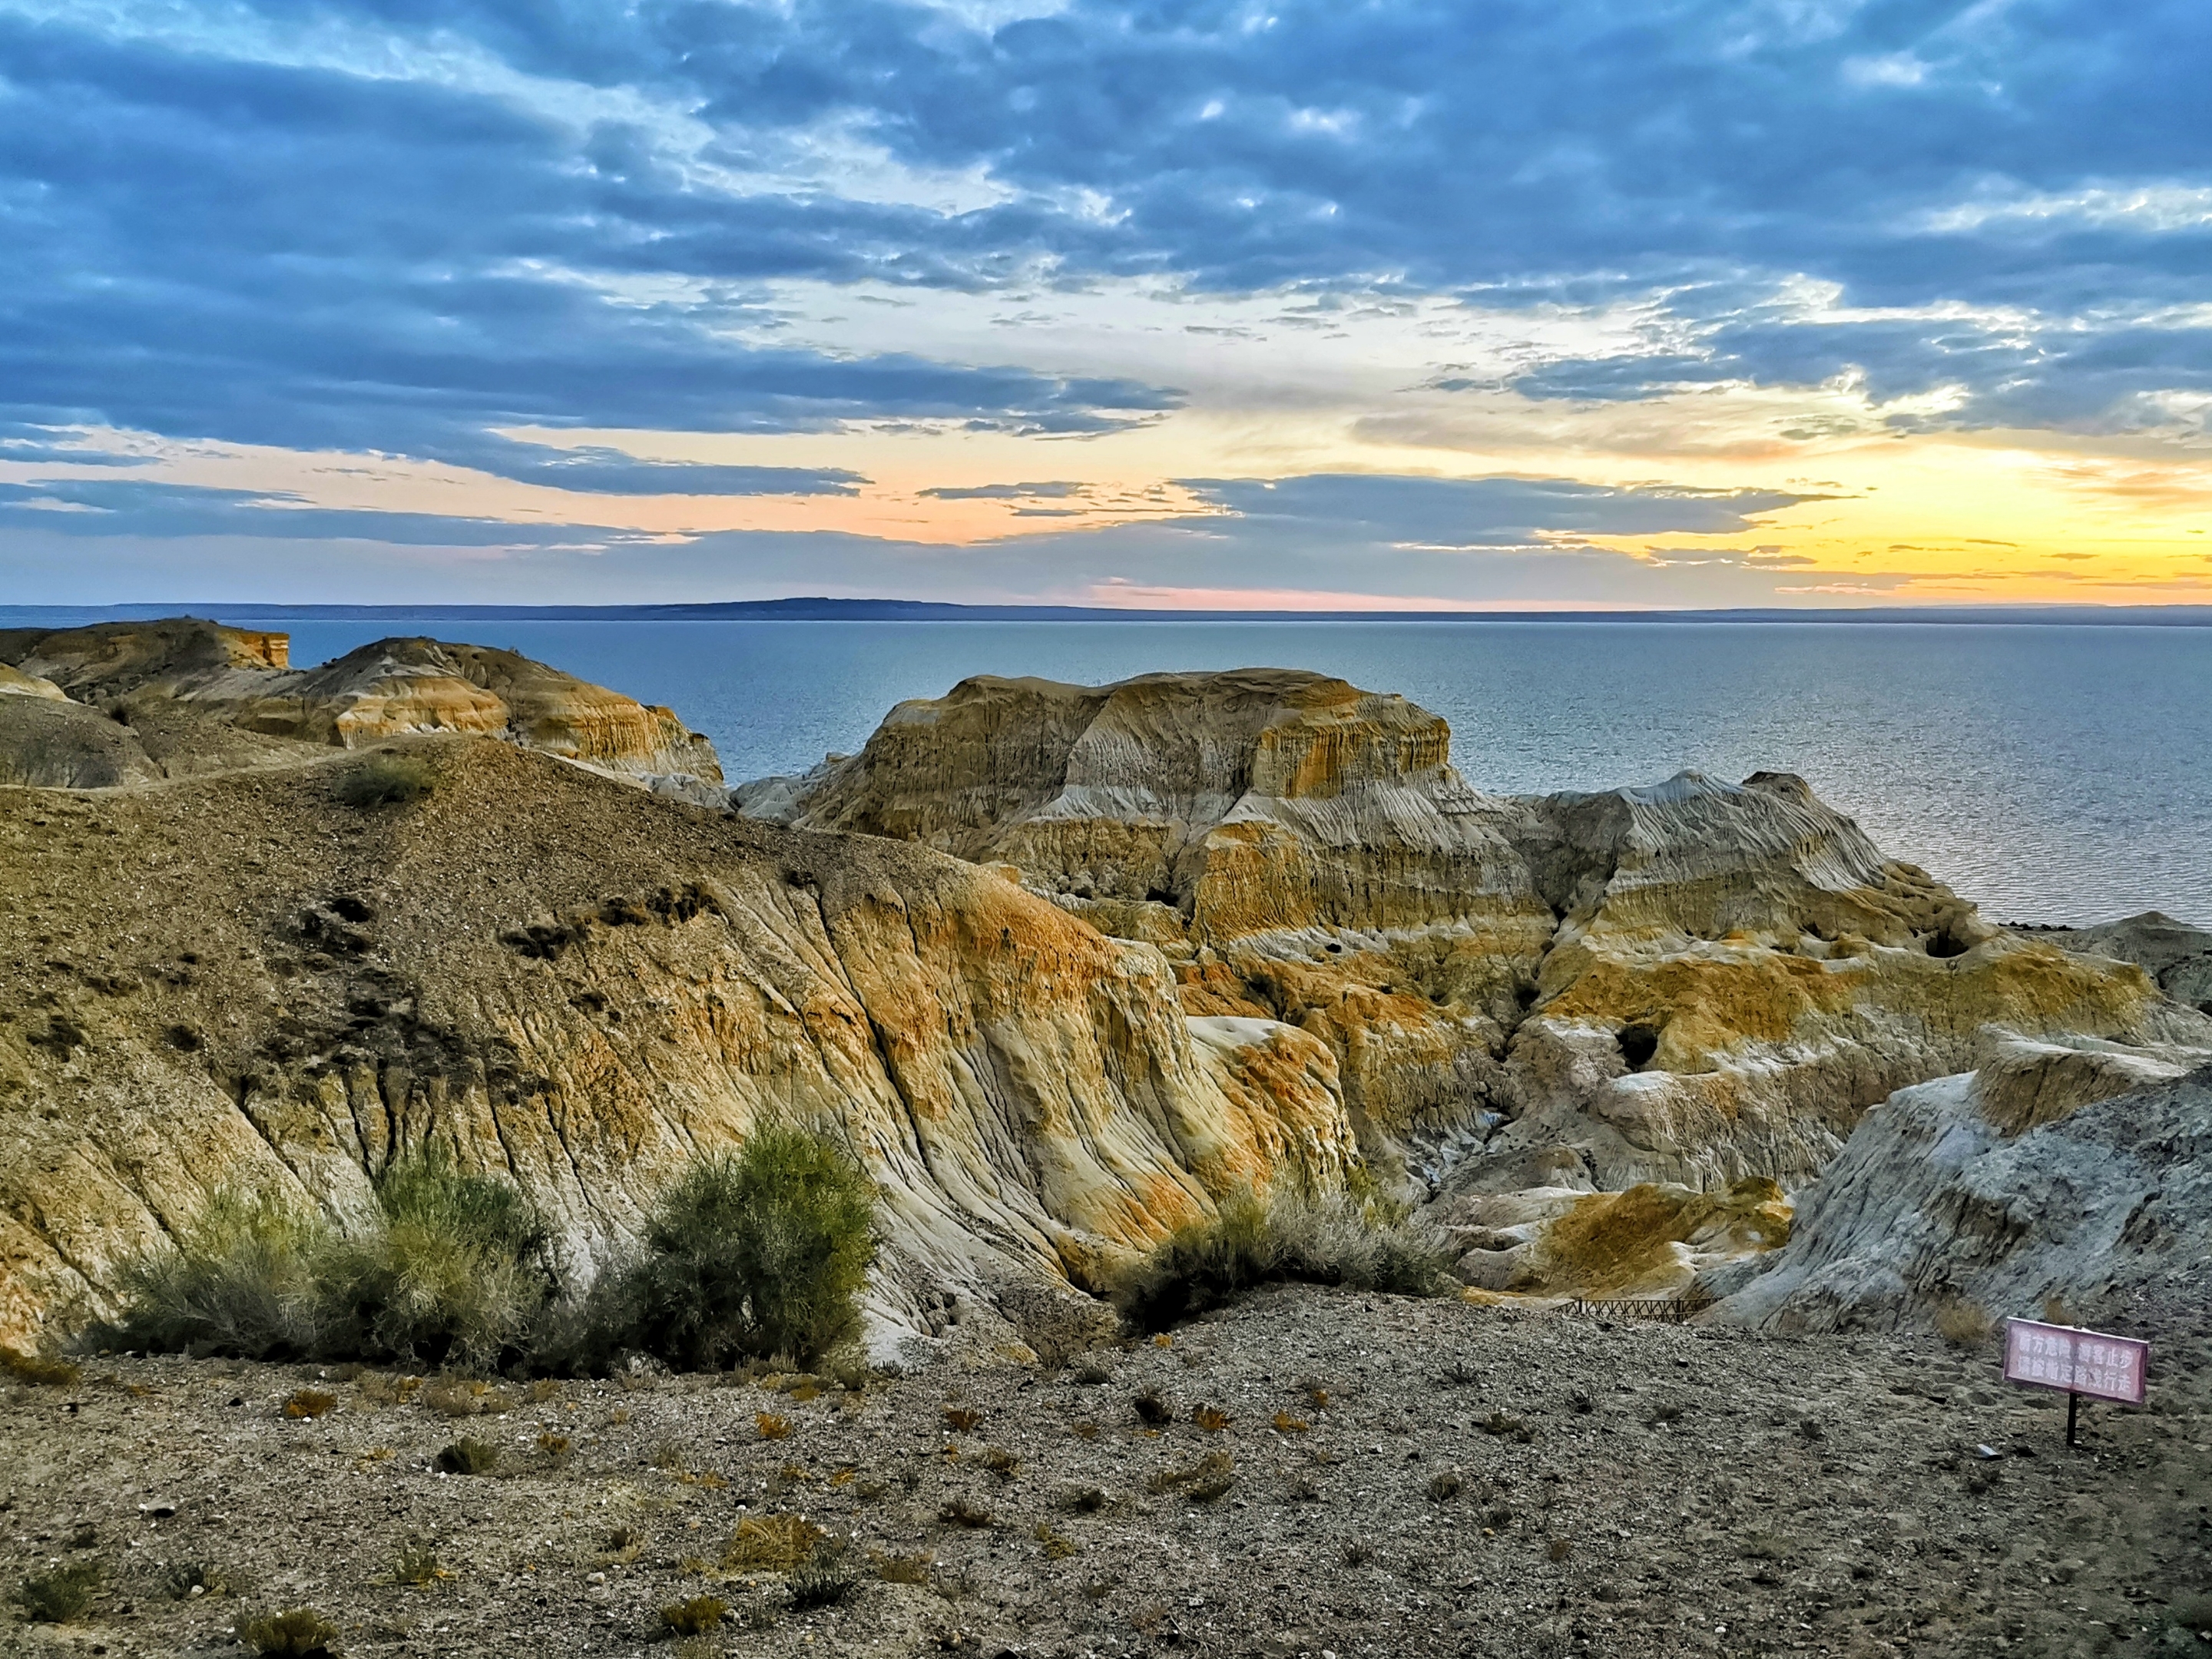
(2076, 1361)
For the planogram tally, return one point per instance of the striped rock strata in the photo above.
(1693, 984)
(240, 980)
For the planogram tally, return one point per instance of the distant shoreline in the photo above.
(833, 610)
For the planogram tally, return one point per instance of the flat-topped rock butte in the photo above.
(1064, 966)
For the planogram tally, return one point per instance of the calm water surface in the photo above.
(2053, 774)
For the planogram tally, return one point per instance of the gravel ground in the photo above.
(1402, 1477)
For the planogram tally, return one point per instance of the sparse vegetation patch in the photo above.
(1361, 1243)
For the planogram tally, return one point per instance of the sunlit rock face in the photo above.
(241, 980)
(186, 673)
(1300, 849)
(1694, 984)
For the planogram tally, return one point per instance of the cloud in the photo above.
(401, 227)
(1004, 492)
(1400, 541)
(1447, 515)
(595, 470)
(295, 255)
(146, 509)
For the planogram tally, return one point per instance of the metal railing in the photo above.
(1671, 1310)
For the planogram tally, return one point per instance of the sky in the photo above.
(1342, 304)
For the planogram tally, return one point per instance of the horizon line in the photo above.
(824, 608)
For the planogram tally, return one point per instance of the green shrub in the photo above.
(386, 780)
(760, 1254)
(455, 1274)
(59, 1596)
(241, 1280)
(1337, 1239)
(302, 1633)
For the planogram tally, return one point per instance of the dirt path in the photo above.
(1478, 1482)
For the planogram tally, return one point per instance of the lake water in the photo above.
(2053, 774)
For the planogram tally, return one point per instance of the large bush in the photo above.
(757, 1255)
(1338, 1239)
(454, 1275)
(243, 1280)
(452, 1272)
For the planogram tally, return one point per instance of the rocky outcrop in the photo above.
(53, 743)
(1301, 850)
(16, 683)
(242, 680)
(242, 980)
(1738, 974)
(1651, 1241)
(2178, 956)
(1987, 1194)
(1694, 984)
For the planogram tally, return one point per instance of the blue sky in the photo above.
(1801, 301)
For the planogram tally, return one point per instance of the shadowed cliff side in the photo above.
(243, 979)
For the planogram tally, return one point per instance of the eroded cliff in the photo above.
(1694, 984)
(187, 695)
(242, 979)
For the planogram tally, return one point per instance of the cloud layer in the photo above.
(416, 230)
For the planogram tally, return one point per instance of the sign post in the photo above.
(2080, 1362)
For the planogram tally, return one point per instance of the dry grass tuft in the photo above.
(963, 1419)
(302, 1633)
(772, 1543)
(1286, 1424)
(959, 1512)
(38, 1370)
(694, 1617)
(382, 1388)
(462, 1396)
(1058, 1547)
(1202, 1481)
(904, 1569)
(1212, 1418)
(310, 1402)
(1962, 1324)
(772, 1426)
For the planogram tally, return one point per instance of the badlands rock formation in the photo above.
(1695, 983)
(189, 695)
(239, 979)
(2176, 955)
(2078, 1175)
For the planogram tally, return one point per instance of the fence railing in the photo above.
(1671, 1310)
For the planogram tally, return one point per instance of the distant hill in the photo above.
(823, 609)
